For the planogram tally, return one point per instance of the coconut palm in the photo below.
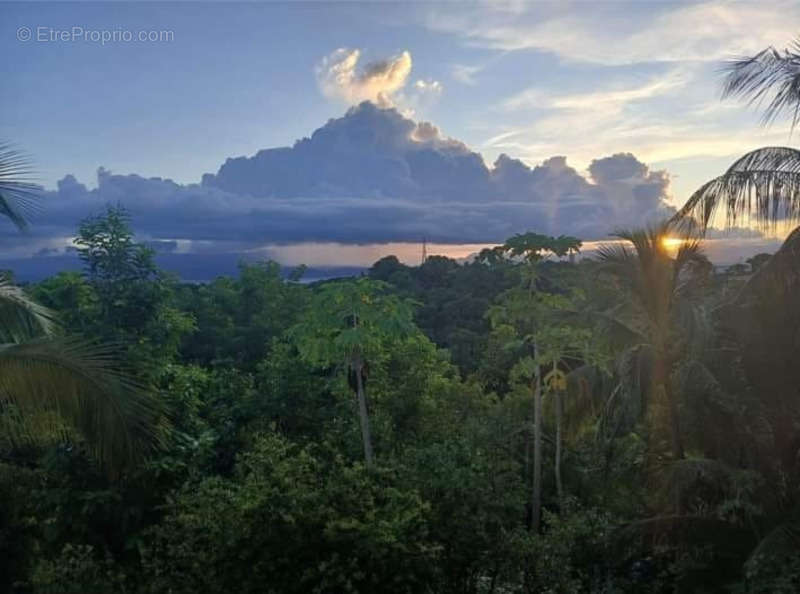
(53, 387)
(660, 319)
(763, 186)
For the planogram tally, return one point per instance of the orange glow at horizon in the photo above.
(672, 243)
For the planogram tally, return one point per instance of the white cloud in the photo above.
(385, 82)
(612, 100)
(664, 118)
(428, 86)
(339, 77)
(615, 33)
(465, 74)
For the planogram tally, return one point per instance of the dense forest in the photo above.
(528, 420)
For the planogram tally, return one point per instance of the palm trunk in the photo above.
(363, 416)
(536, 491)
(662, 380)
(674, 421)
(527, 470)
(559, 413)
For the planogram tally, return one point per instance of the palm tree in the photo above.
(659, 320)
(54, 387)
(763, 186)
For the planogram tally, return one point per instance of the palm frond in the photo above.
(618, 331)
(21, 318)
(629, 400)
(681, 531)
(19, 196)
(779, 278)
(685, 476)
(762, 187)
(783, 539)
(584, 399)
(64, 387)
(770, 76)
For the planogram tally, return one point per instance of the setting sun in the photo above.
(672, 243)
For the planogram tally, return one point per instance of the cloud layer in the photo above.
(371, 176)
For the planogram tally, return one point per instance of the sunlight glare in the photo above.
(672, 243)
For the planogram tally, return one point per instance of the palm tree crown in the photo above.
(763, 186)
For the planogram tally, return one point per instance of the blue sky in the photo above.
(578, 79)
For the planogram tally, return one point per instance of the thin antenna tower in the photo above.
(424, 249)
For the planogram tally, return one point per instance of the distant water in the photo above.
(328, 260)
(190, 268)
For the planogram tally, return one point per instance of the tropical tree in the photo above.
(762, 186)
(561, 347)
(522, 309)
(55, 387)
(660, 320)
(133, 303)
(349, 323)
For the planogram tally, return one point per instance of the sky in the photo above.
(607, 112)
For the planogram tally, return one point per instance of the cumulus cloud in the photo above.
(339, 77)
(371, 176)
(386, 83)
(369, 153)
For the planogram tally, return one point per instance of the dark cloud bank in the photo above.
(371, 176)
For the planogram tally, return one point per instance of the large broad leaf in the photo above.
(67, 389)
(18, 195)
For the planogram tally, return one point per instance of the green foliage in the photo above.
(452, 300)
(290, 523)
(60, 389)
(572, 554)
(259, 488)
(77, 569)
(533, 247)
(350, 320)
(237, 319)
(132, 299)
(776, 570)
